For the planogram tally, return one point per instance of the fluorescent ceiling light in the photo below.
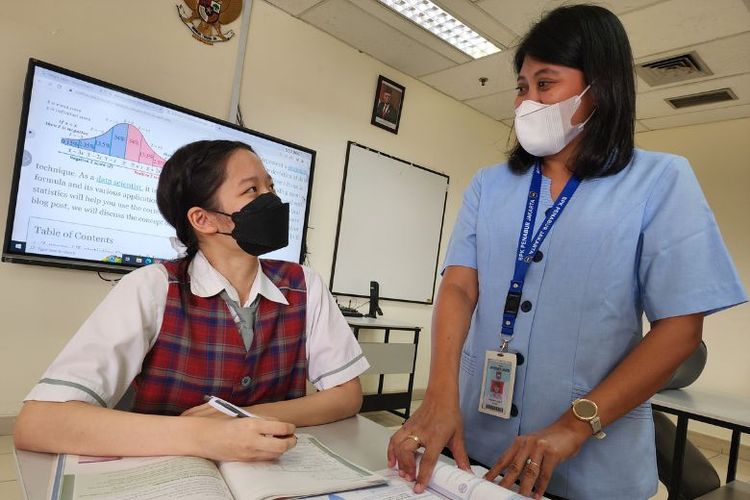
(438, 22)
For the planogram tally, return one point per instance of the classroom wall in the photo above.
(720, 156)
(299, 84)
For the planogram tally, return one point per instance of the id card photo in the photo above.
(496, 397)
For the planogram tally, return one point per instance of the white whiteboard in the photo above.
(390, 225)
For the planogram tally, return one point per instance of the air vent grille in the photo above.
(709, 97)
(673, 69)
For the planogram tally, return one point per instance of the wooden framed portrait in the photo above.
(388, 104)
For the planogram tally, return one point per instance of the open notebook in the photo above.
(307, 469)
(448, 481)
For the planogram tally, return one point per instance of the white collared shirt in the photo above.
(105, 355)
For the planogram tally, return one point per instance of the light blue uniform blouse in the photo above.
(643, 240)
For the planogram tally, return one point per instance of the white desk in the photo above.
(722, 410)
(379, 323)
(385, 358)
(357, 439)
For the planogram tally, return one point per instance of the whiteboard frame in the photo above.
(349, 146)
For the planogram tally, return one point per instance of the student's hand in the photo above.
(545, 449)
(436, 424)
(246, 439)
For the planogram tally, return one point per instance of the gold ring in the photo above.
(531, 463)
(415, 438)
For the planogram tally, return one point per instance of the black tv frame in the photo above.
(75, 263)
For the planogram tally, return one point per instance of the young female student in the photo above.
(217, 322)
(625, 232)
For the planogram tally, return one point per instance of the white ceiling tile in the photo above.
(697, 117)
(498, 106)
(476, 18)
(295, 7)
(677, 23)
(362, 31)
(462, 82)
(652, 104)
(724, 57)
(620, 7)
(410, 29)
(519, 16)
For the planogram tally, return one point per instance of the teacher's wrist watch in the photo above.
(587, 411)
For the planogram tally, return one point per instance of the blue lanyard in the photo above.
(526, 251)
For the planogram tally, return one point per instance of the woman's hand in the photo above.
(533, 457)
(435, 424)
(246, 439)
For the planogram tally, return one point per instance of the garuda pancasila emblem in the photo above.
(207, 16)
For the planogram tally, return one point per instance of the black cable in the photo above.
(238, 117)
(107, 279)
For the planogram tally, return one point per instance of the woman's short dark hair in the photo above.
(591, 39)
(190, 178)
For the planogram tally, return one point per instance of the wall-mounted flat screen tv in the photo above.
(87, 164)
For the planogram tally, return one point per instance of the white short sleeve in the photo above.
(104, 356)
(334, 355)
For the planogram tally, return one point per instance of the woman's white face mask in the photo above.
(545, 129)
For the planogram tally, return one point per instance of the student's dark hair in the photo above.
(591, 39)
(189, 179)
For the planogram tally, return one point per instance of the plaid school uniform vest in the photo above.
(202, 352)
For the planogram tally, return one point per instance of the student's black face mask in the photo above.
(262, 225)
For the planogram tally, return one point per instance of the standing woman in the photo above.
(553, 260)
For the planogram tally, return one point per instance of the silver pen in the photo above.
(228, 408)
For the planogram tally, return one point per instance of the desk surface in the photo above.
(357, 439)
(366, 322)
(724, 407)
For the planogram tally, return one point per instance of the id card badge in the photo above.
(496, 397)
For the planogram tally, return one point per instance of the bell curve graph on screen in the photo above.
(121, 141)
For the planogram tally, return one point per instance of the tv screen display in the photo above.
(87, 164)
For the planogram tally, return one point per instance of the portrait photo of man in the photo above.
(386, 110)
(389, 99)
